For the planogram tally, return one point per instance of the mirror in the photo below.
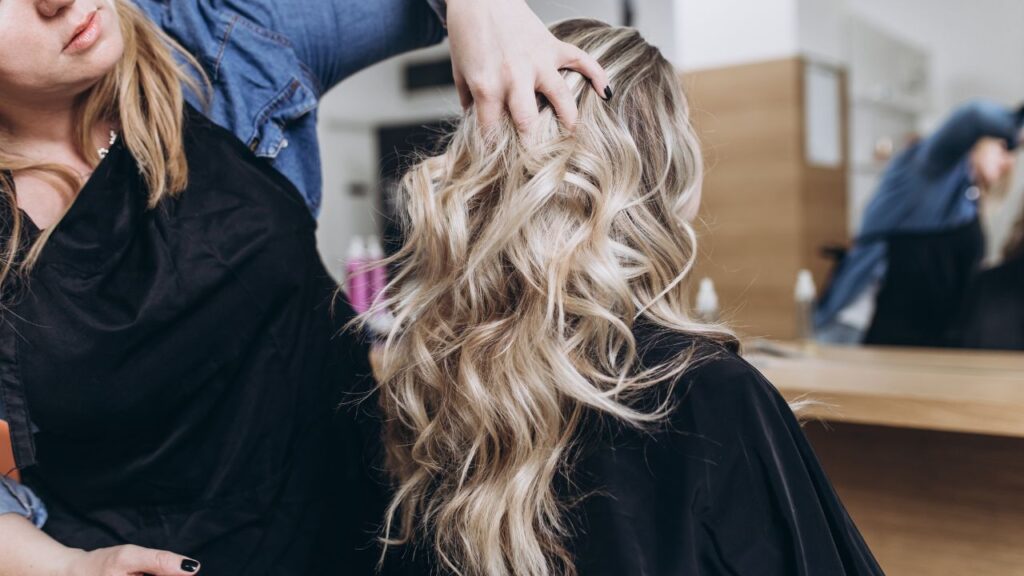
(872, 145)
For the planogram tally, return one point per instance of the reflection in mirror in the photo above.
(873, 144)
(877, 155)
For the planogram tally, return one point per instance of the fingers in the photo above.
(517, 91)
(555, 89)
(490, 105)
(133, 559)
(465, 94)
(574, 58)
(522, 105)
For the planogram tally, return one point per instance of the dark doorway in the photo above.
(399, 147)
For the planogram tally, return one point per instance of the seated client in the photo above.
(550, 405)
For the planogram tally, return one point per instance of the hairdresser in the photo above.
(167, 352)
(904, 280)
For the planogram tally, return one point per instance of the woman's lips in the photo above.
(87, 33)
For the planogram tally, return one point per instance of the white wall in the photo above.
(713, 33)
(976, 46)
(820, 29)
(349, 116)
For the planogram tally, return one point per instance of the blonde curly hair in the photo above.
(526, 264)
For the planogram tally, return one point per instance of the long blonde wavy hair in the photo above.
(526, 264)
(143, 94)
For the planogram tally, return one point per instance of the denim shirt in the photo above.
(269, 62)
(924, 189)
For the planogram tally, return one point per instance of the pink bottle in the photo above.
(357, 277)
(378, 272)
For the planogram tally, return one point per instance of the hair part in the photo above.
(144, 95)
(526, 264)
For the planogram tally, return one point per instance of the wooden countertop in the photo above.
(948, 390)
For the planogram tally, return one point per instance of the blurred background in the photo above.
(812, 114)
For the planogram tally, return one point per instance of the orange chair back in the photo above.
(7, 453)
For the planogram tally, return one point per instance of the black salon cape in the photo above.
(728, 486)
(926, 282)
(993, 316)
(183, 365)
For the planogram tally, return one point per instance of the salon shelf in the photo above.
(940, 390)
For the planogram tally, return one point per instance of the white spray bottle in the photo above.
(804, 295)
(707, 302)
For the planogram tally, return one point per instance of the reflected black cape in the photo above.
(925, 284)
(727, 486)
(993, 317)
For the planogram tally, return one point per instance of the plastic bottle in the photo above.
(357, 277)
(378, 273)
(707, 302)
(804, 295)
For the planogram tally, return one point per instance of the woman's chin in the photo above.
(89, 69)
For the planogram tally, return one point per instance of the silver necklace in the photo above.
(104, 151)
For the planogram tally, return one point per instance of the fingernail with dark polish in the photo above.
(607, 93)
(189, 565)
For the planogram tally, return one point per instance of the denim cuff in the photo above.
(18, 499)
(440, 7)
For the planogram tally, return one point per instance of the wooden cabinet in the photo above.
(767, 211)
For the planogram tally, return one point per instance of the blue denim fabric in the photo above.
(17, 499)
(922, 190)
(269, 62)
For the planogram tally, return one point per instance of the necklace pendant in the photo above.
(104, 151)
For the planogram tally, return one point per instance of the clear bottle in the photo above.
(706, 308)
(804, 296)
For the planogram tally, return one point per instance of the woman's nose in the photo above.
(51, 8)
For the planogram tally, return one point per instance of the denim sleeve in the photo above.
(968, 124)
(18, 499)
(337, 38)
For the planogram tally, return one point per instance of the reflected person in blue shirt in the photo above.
(932, 187)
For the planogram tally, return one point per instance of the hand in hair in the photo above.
(503, 56)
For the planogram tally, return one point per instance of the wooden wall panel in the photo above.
(765, 213)
(930, 503)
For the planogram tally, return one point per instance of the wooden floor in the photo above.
(930, 503)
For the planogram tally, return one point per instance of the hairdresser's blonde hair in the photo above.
(144, 95)
(526, 264)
